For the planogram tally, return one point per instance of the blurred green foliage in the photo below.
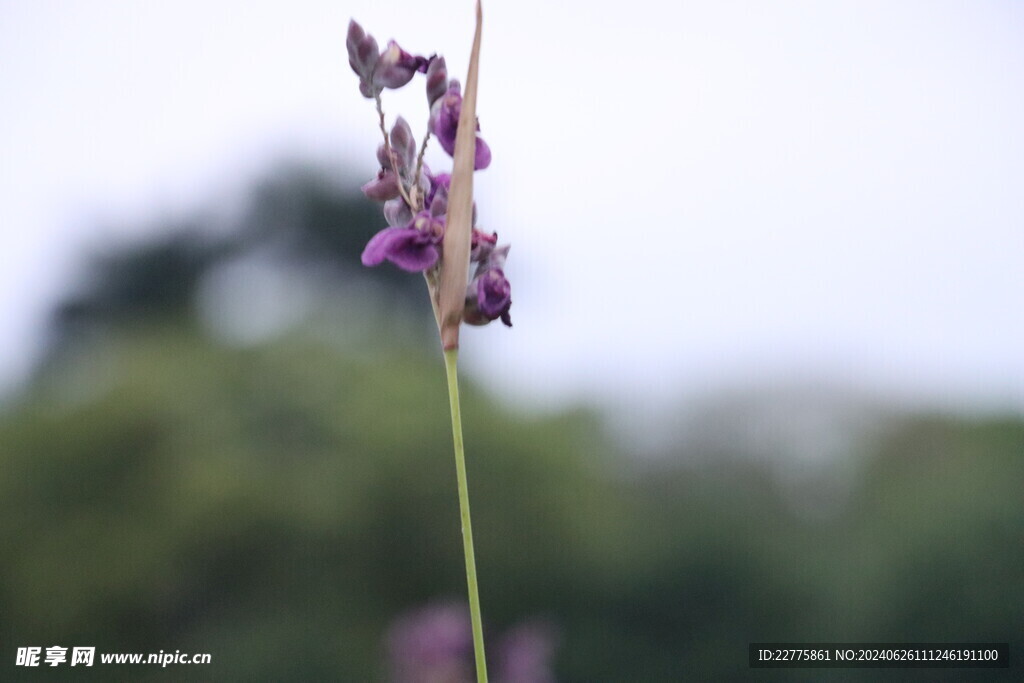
(278, 505)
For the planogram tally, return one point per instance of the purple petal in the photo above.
(391, 76)
(488, 297)
(413, 256)
(483, 155)
(408, 248)
(396, 67)
(397, 213)
(442, 182)
(383, 187)
(444, 121)
(378, 247)
(444, 118)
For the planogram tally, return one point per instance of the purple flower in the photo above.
(432, 645)
(412, 248)
(494, 295)
(362, 57)
(489, 294)
(396, 67)
(444, 121)
(488, 298)
(525, 654)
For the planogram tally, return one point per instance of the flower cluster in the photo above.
(415, 199)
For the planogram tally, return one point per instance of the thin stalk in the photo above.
(390, 152)
(450, 361)
(419, 169)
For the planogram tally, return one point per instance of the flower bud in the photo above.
(403, 144)
(437, 80)
(363, 55)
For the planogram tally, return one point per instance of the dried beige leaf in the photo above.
(459, 227)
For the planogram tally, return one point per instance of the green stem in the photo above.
(450, 360)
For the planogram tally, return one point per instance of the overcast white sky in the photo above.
(696, 193)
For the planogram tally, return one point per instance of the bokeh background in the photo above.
(765, 381)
